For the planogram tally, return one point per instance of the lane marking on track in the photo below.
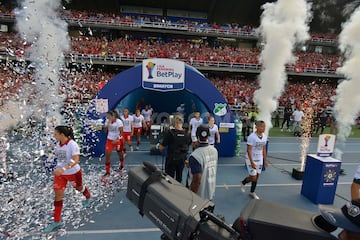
(129, 230)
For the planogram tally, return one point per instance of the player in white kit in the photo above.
(193, 125)
(128, 129)
(255, 157)
(147, 113)
(139, 124)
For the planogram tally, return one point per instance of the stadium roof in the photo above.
(328, 15)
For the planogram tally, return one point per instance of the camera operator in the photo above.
(177, 141)
(203, 165)
(347, 218)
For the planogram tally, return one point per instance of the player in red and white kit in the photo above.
(67, 153)
(147, 113)
(113, 127)
(139, 124)
(128, 129)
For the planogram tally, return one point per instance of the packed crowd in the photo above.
(237, 90)
(196, 54)
(129, 48)
(139, 20)
(240, 91)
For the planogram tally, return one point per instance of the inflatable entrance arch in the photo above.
(163, 83)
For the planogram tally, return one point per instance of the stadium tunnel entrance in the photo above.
(131, 89)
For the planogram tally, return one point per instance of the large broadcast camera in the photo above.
(177, 211)
(181, 214)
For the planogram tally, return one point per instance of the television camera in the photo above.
(181, 214)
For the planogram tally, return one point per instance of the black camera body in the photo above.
(177, 211)
(260, 220)
(183, 215)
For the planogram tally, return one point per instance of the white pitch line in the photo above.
(274, 164)
(130, 230)
(269, 185)
(275, 185)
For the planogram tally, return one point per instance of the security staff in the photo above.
(177, 141)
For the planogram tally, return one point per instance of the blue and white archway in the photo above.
(164, 84)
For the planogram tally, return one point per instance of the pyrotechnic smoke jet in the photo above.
(39, 24)
(283, 24)
(347, 99)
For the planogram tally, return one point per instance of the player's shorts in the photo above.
(252, 171)
(61, 181)
(109, 145)
(148, 124)
(138, 130)
(127, 136)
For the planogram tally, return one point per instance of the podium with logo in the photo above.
(321, 173)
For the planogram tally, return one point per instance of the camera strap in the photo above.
(154, 177)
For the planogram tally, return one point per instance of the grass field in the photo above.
(275, 132)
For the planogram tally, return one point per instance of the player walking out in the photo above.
(195, 121)
(128, 129)
(67, 170)
(113, 128)
(147, 113)
(139, 124)
(255, 157)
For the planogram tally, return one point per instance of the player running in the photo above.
(113, 128)
(67, 153)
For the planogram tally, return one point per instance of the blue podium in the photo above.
(320, 179)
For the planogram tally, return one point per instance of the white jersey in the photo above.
(298, 115)
(64, 154)
(213, 131)
(138, 120)
(194, 123)
(127, 123)
(257, 146)
(113, 129)
(147, 114)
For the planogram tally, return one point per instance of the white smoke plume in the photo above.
(283, 24)
(347, 99)
(39, 24)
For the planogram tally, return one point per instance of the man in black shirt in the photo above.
(177, 141)
(287, 118)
